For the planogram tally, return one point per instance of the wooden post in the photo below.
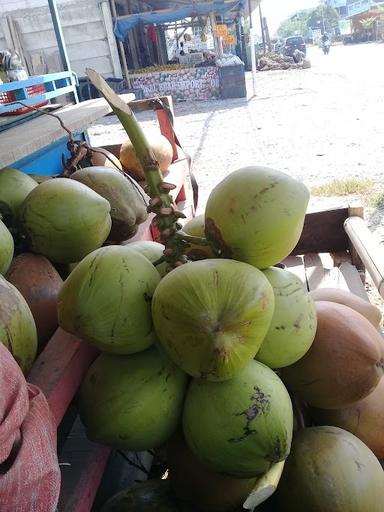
(111, 39)
(266, 32)
(369, 250)
(217, 40)
(121, 47)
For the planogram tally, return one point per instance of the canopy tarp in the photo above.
(126, 23)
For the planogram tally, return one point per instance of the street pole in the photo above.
(253, 59)
(60, 40)
(262, 27)
(322, 15)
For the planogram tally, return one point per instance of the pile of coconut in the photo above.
(274, 61)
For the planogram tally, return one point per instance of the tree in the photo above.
(297, 24)
(324, 17)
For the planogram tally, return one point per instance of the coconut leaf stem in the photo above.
(161, 202)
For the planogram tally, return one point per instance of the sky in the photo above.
(277, 11)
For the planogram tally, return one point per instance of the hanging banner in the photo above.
(200, 83)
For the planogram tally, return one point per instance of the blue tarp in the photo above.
(122, 26)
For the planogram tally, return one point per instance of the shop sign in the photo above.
(229, 39)
(200, 83)
(358, 7)
(221, 30)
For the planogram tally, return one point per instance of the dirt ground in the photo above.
(317, 125)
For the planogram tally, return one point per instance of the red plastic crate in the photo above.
(10, 97)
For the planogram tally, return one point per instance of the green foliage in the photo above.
(309, 18)
(326, 13)
(295, 25)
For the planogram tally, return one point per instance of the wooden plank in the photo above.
(321, 272)
(353, 279)
(295, 264)
(148, 104)
(323, 232)
(356, 211)
(23, 140)
(59, 370)
(82, 467)
(369, 250)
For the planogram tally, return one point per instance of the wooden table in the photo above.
(42, 137)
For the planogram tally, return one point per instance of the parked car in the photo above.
(294, 43)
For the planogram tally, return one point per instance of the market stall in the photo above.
(200, 60)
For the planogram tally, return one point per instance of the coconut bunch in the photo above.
(173, 346)
(207, 359)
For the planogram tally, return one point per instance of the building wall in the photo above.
(85, 34)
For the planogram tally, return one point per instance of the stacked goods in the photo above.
(274, 61)
(206, 359)
(163, 67)
(46, 226)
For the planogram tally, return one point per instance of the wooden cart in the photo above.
(335, 249)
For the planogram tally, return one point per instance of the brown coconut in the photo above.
(364, 307)
(162, 149)
(104, 158)
(364, 419)
(344, 363)
(39, 283)
(197, 485)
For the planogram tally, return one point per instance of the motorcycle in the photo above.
(326, 47)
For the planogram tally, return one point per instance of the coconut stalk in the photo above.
(161, 203)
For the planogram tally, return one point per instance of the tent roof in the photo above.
(125, 23)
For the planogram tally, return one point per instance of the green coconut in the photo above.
(150, 496)
(65, 220)
(126, 197)
(293, 326)
(330, 470)
(106, 300)
(211, 316)
(256, 215)
(196, 227)
(17, 327)
(6, 248)
(195, 483)
(132, 402)
(242, 426)
(14, 188)
(153, 251)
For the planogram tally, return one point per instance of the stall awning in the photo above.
(126, 23)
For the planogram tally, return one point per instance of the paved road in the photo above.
(315, 124)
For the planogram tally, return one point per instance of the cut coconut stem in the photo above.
(161, 202)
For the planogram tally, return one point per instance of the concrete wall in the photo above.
(87, 32)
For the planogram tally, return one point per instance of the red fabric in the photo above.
(151, 32)
(29, 469)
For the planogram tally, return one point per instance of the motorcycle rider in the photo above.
(325, 42)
